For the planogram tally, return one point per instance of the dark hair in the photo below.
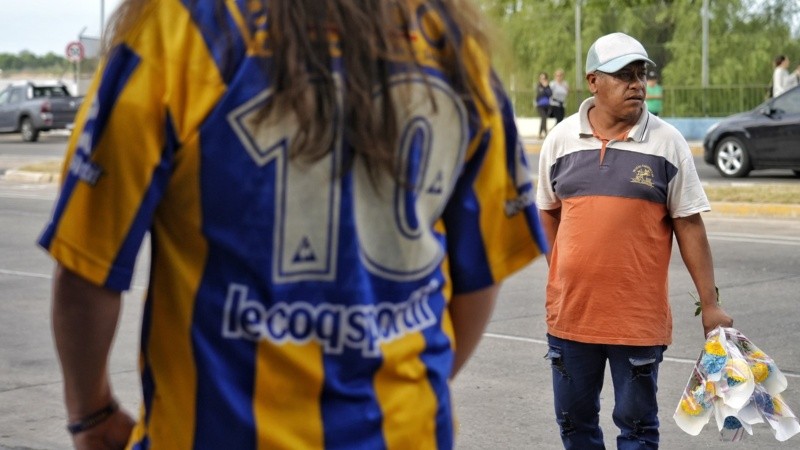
(779, 60)
(371, 35)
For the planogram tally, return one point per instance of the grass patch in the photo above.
(754, 193)
(738, 193)
(47, 166)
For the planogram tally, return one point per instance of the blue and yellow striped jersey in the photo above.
(288, 306)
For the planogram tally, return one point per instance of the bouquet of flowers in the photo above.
(739, 385)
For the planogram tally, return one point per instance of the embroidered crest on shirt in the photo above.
(643, 174)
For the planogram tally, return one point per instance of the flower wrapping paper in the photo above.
(737, 384)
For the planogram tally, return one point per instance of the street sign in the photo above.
(74, 52)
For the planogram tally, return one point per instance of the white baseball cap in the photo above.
(614, 51)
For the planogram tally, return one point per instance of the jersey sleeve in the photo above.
(491, 221)
(124, 146)
(111, 171)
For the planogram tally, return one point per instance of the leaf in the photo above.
(697, 303)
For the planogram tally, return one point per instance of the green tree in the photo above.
(744, 37)
(27, 61)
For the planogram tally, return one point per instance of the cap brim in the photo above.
(618, 63)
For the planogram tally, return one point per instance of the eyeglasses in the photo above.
(628, 75)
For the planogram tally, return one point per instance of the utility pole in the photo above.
(704, 70)
(78, 65)
(578, 49)
(102, 18)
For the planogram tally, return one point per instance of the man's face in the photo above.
(620, 93)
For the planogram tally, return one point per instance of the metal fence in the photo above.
(679, 101)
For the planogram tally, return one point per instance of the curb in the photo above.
(771, 210)
(727, 209)
(31, 177)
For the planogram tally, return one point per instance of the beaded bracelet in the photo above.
(93, 419)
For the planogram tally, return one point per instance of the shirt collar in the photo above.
(637, 134)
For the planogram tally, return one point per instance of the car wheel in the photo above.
(731, 158)
(29, 132)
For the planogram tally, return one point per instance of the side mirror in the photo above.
(766, 110)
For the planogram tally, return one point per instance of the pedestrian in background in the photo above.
(312, 283)
(560, 92)
(615, 184)
(543, 94)
(782, 80)
(655, 94)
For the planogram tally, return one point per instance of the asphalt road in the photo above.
(503, 398)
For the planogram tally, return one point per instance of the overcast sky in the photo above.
(43, 26)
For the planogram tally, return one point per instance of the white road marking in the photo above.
(543, 342)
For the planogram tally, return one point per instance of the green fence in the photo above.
(679, 101)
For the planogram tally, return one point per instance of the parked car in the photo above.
(32, 107)
(768, 137)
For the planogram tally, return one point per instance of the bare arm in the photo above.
(470, 314)
(84, 323)
(696, 254)
(550, 219)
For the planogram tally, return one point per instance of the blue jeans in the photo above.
(578, 371)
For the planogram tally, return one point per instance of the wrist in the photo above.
(93, 419)
(706, 301)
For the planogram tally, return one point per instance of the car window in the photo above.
(788, 103)
(49, 91)
(16, 96)
(3, 97)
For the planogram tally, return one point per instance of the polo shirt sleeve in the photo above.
(546, 198)
(685, 194)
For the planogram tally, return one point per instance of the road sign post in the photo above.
(75, 53)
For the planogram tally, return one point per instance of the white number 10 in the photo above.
(393, 222)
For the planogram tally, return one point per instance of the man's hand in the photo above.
(111, 434)
(714, 316)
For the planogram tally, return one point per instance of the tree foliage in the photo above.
(744, 37)
(27, 61)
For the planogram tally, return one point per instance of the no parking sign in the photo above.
(74, 52)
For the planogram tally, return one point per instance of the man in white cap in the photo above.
(615, 183)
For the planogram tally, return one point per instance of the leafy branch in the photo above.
(699, 305)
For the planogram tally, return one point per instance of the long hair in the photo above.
(371, 35)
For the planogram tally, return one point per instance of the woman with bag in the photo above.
(543, 94)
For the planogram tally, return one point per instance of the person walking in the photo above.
(334, 192)
(654, 94)
(782, 80)
(615, 184)
(543, 94)
(560, 92)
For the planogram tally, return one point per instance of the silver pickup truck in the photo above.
(32, 107)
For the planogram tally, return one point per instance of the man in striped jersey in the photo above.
(334, 192)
